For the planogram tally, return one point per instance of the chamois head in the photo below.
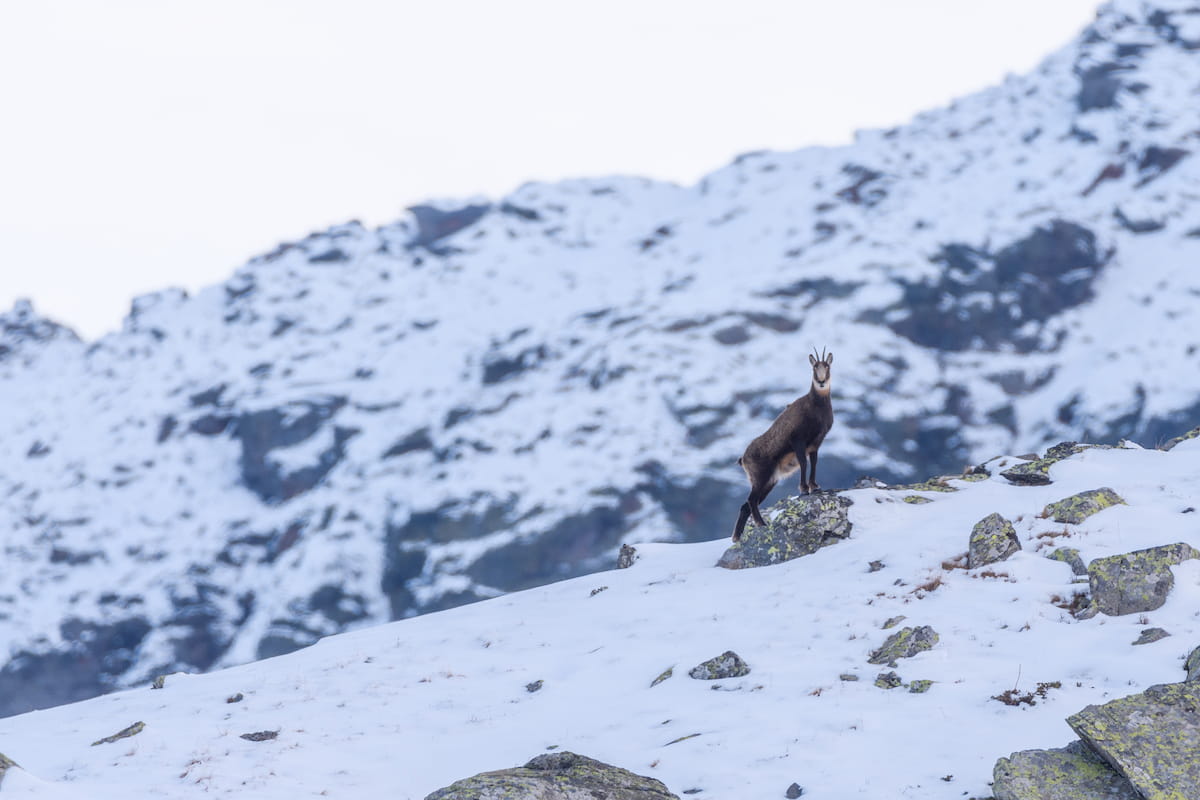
(820, 365)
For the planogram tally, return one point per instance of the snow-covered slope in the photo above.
(479, 398)
(402, 709)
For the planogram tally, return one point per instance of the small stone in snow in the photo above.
(533, 687)
(260, 736)
(793, 791)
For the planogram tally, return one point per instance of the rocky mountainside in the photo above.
(940, 641)
(371, 424)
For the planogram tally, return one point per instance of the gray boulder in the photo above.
(800, 526)
(1192, 434)
(1073, 772)
(1037, 472)
(556, 776)
(5, 764)
(904, 643)
(1151, 738)
(1136, 582)
(727, 665)
(992, 539)
(1070, 556)
(1078, 507)
(1151, 635)
(1192, 665)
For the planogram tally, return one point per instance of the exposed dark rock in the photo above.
(557, 776)
(793, 791)
(992, 539)
(626, 556)
(417, 440)
(1138, 225)
(1151, 635)
(1031, 280)
(573, 546)
(434, 224)
(727, 665)
(1073, 772)
(89, 663)
(260, 736)
(208, 397)
(1136, 582)
(734, 334)
(1192, 665)
(209, 424)
(904, 643)
(260, 432)
(166, 428)
(1151, 738)
(1098, 86)
(334, 255)
(534, 686)
(1157, 160)
(797, 527)
(499, 367)
(1078, 507)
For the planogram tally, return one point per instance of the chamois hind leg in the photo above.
(743, 515)
(757, 495)
(812, 480)
(803, 471)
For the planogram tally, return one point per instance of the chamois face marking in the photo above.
(821, 376)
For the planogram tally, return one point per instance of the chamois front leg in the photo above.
(812, 481)
(803, 460)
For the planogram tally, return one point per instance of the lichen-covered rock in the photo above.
(1136, 582)
(992, 539)
(1037, 472)
(626, 556)
(727, 665)
(1078, 507)
(5, 763)
(1194, 433)
(888, 680)
(1070, 556)
(1151, 635)
(1073, 772)
(1151, 738)
(556, 776)
(799, 526)
(1192, 665)
(919, 686)
(904, 643)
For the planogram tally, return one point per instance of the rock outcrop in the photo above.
(904, 643)
(992, 539)
(727, 665)
(795, 527)
(1151, 738)
(1078, 507)
(1135, 582)
(1073, 772)
(556, 776)
(1037, 471)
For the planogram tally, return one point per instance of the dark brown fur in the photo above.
(789, 445)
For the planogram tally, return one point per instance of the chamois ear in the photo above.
(829, 359)
(812, 360)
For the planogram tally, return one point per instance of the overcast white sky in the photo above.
(150, 144)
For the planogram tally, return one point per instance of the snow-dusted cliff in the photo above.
(485, 396)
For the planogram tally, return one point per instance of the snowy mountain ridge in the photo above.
(402, 709)
(484, 396)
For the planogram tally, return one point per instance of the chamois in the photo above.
(787, 446)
